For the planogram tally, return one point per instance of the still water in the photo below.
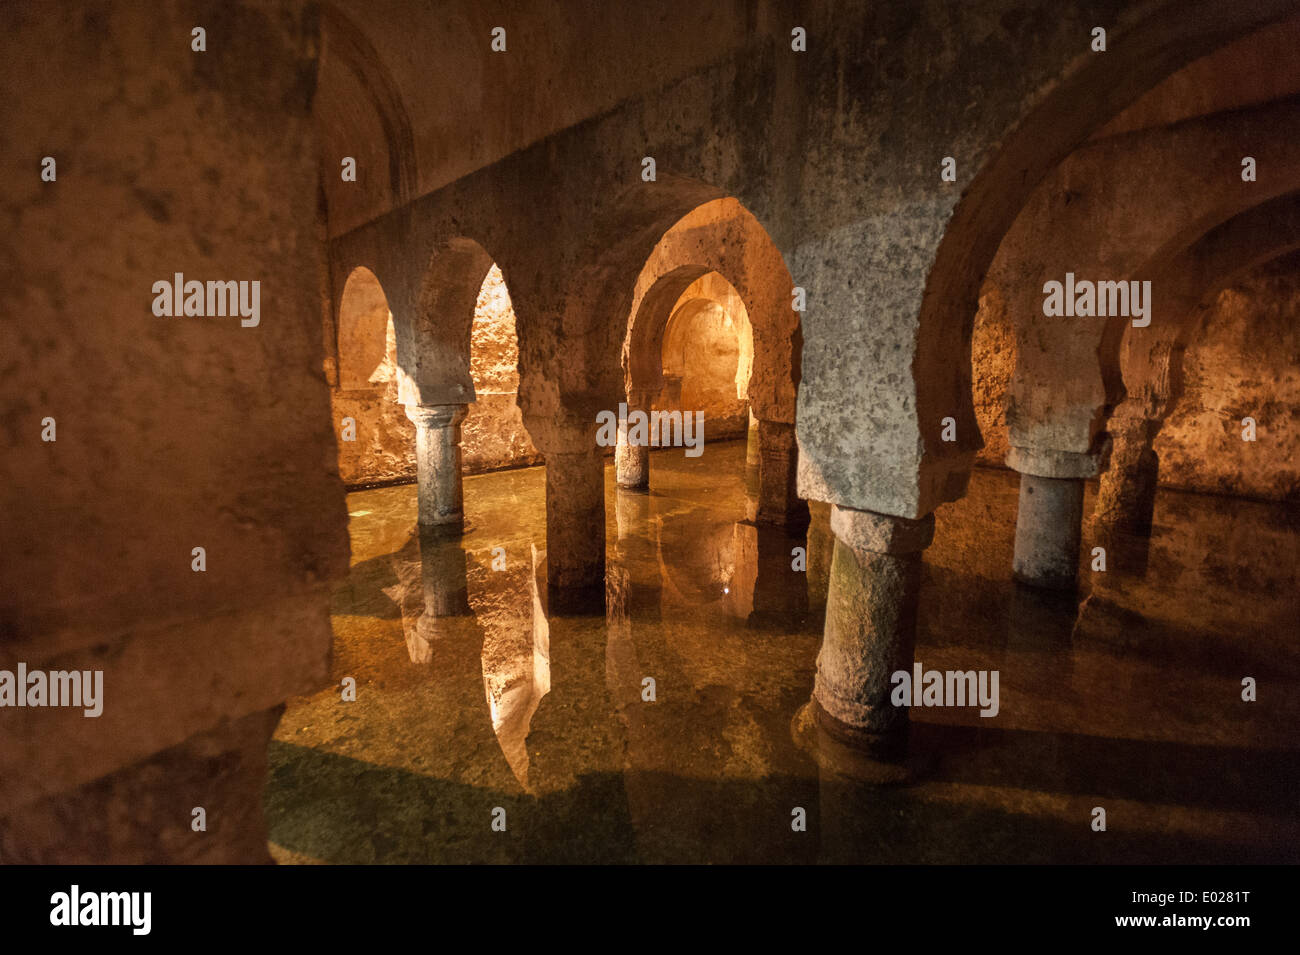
(475, 705)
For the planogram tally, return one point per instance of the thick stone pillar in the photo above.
(632, 462)
(1049, 519)
(778, 500)
(870, 629)
(437, 459)
(575, 529)
(1127, 495)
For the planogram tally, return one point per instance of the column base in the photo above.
(1055, 583)
(870, 628)
(845, 751)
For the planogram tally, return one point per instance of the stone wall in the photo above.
(171, 432)
(366, 392)
(493, 435)
(1243, 360)
(993, 361)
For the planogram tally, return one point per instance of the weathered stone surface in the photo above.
(143, 814)
(367, 344)
(384, 449)
(494, 435)
(708, 344)
(870, 633)
(865, 532)
(1242, 364)
(777, 498)
(1128, 189)
(1126, 496)
(993, 362)
(1239, 359)
(172, 432)
(184, 432)
(1057, 464)
(162, 683)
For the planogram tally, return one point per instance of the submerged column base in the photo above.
(632, 461)
(870, 629)
(575, 532)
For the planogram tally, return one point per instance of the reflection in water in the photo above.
(513, 701)
(1125, 696)
(434, 596)
(695, 557)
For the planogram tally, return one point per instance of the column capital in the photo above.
(870, 532)
(1042, 462)
(437, 416)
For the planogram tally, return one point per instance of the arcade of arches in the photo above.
(431, 590)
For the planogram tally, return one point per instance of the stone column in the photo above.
(870, 629)
(575, 529)
(632, 462)
(444, 573)
(1049, 519)
(778, 500)
(1126, 498)
(437, 460)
